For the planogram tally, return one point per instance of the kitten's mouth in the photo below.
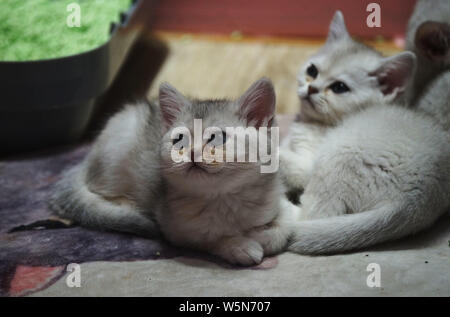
(307, 102)
(195, 167)
(308, 111)
(202, 168)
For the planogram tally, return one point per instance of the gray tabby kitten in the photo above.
(380, 171)
(130, 182)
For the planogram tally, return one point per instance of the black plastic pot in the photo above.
(49, 102)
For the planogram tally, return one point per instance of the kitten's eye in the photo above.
(339, 87)
(213, 137)
(175, 141)
(312, 71)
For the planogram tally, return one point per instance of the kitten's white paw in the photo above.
(273, 240)
(242, 251)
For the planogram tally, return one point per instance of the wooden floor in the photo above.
(214, 66)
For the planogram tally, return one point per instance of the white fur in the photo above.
(383, 174)
(379, 171)
(340, 59)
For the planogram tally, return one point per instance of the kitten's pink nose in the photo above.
(312, 90)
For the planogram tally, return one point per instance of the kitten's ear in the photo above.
(170, 101)
(433, 40)
(395, 72)
(337, 29)
(257, 104)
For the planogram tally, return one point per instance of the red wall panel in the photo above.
(279, 18)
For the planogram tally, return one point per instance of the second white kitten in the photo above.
(381, 171)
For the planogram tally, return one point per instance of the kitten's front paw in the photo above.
(273, 240)
(241, 251)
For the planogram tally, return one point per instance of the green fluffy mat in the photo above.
(38, 29)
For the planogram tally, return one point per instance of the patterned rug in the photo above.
(35, 247)
(34, 250)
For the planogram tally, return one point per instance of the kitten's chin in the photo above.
(307, 104)
(308, 109)
(194, 178)
(309, 113)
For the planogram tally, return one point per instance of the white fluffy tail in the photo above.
(355, 231)
(73, 200)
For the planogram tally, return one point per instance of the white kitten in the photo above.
(382, 171)
(323, 83)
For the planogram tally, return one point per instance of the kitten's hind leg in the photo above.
(316, 206)
(294, 170)
(274, 236)
(72, 199)
(239, 250)
(117, 186)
